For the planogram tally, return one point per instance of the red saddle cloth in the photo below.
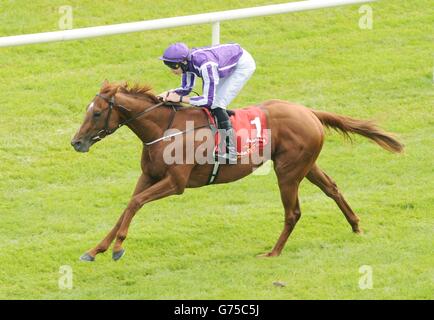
(250, 125)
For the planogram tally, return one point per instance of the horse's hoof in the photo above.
(358, 231)
(266, 255)
(117, 255)
(87, 257)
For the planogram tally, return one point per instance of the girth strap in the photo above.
(215, 169)
(214, 172)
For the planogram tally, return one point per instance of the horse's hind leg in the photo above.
(329, 187)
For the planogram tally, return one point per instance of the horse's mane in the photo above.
(136, 90)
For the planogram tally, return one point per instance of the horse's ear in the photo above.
(105, 83)
(123, 86)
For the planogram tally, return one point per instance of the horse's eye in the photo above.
(96, 114)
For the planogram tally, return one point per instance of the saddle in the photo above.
(250, 125)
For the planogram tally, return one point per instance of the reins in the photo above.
(107, 131)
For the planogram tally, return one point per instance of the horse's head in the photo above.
(101, 119)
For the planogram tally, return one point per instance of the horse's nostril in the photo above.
(76, 143)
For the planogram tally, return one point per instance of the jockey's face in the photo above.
(175, 67)
(177, 71)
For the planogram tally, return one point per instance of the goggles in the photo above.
(171, 65)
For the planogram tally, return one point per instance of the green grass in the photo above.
(56, 203)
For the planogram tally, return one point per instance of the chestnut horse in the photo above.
(297, 135)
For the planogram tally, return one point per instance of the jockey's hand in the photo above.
(162, 96)
(173, 96)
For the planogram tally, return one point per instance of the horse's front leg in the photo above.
(163, 188)
(143, 183)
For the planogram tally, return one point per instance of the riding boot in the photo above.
(227, 135)
(230, 139)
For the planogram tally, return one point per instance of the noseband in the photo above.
(111, 103)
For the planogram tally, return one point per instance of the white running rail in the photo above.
(213, 18)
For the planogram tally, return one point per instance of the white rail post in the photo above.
(216, 33)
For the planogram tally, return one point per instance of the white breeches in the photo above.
(229, 87)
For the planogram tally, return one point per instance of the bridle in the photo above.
(111, 104)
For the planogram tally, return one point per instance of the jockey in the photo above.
(224, 70)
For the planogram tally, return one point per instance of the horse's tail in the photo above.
(365, 128)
